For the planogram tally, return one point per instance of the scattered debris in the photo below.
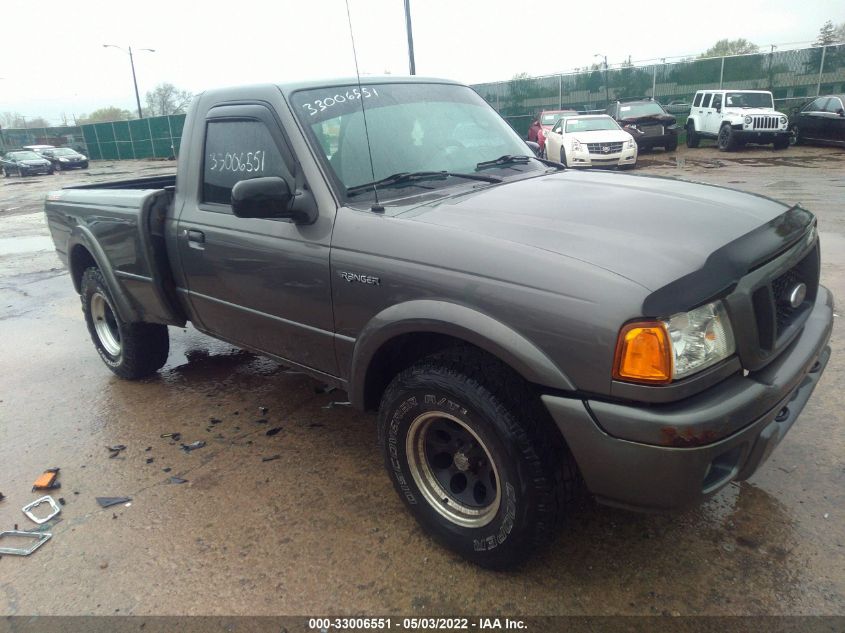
(324, 389)
(1, 496)
(174, 436)
(236, 413)
(826, 515)
(106, 502)
(115, 450)
(167, 470)
(47, 480)
(263, 410)
(62, 501)
(193, 446)
(272, 458)
(215, 420)
(148, 449)
(177, 480)
(333, 404)
(261, 421)
(150, 460)
(273, 431)
(41, 538)
(54, 507)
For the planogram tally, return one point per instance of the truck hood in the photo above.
(650, 230)
(751, 112)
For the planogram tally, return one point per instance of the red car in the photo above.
(544, 122)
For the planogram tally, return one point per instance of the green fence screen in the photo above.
(793, 76)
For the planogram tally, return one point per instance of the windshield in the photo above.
(590, 125)
(749, 100)
(24, 155)
(412, 127)
(63, 151)
(635, 110)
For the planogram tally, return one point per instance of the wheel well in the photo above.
(403, 351)
(80, 259)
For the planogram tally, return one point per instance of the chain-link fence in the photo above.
(793, 77)
(154, 137)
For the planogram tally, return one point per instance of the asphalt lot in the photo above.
(320, 530)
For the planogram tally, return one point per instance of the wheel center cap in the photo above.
(461, 461)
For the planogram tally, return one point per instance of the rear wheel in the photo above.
(693, 139)
(474, 457)
(130, 350)
(727, 138)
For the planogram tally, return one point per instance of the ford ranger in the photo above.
(523, 331)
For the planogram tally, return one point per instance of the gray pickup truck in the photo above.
(524, 332)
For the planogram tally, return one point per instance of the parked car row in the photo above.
(41, 159)
(732, 118)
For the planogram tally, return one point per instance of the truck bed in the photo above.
(161, 181)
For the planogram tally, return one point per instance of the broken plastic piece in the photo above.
(271, 458)
(332, 405)
(263, 410)
(175, 436)
(178, 480)
(28, 508)
(47, 480)
(116, 448)
(106, 502)
(273, 431)
(1, 496)
(40, 539)
(193, 446)
(262, 421)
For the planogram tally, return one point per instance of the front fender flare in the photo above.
(461, 322)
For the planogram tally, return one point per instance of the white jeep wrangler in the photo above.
(736, 117)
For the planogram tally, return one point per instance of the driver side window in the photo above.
(717, 101)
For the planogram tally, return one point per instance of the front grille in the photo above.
(766, 122)
(652, 130)
(604, 148)
(771, 302)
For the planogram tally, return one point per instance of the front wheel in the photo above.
(130, 350)
(671, 146)
(727, 139)
(563, 157)
(795, 138)
(473, 457)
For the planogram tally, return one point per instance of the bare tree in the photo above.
(166, 98)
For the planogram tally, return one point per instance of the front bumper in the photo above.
(32, 171)
(633, 474)
(760, 136)
(585, 159)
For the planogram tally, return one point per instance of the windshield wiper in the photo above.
(510, 159)
(405, 177)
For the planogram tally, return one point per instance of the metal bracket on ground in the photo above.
(42, 537)
(27, 509)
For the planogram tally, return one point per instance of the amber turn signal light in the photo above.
(643, 353)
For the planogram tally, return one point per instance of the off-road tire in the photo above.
(143, 347)
(672, 146)
(693, 139)
(727, 139)
(537, 476)
(795, 138)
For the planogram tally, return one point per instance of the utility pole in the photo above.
(411, 64)
(134, 78)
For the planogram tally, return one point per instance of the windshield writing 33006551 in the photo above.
(321, 105)
(250, 162)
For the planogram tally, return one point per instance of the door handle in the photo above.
(196, 236)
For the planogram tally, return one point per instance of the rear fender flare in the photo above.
(81, 236)
(461, 322)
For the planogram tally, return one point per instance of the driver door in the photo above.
(554, 141)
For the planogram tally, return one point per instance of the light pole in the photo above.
(132, 64)
(606, 90)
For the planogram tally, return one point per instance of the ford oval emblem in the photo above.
(797, 295)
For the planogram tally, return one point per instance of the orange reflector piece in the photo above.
(643, 353)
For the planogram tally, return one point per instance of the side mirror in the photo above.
(841, 112)
(271, 197)
(535, 147)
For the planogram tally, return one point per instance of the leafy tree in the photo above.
(827, 34)
(726, 47)
(629, 81)
(166, 98)
(104, 115)
(834, 56)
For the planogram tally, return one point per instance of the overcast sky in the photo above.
(53, 61)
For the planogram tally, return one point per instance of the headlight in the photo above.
(659, 352)
(64, 160)
(576, 145)
(630, 144)
(782, 120)
(748, 120)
